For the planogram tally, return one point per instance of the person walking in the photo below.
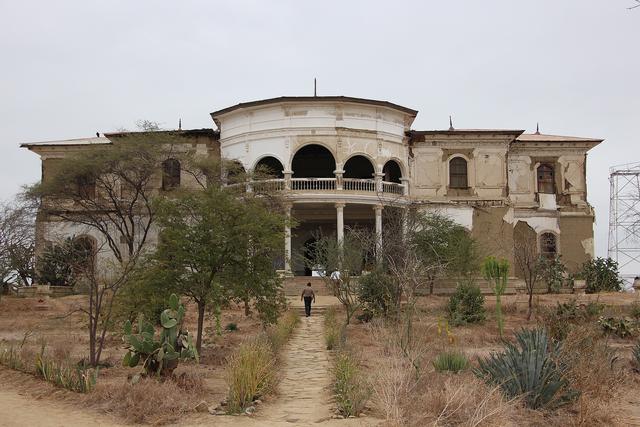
(308, 295)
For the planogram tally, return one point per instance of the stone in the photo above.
(257, 402)
(250, 410)
(202, 407)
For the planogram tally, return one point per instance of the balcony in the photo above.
(315, 185)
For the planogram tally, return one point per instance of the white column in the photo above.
(338, 173)
(405, 183)
(378, 210)
(287, 240)
(340, 221)
(287, 179)
(379, 177)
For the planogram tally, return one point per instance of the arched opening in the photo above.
(392, 172)
(546, 179)
(84, 252)
(458, 173)
(548, 245)
(269, 167)
(170, 174)
(313, 161)
(235, 172)
(358, 167)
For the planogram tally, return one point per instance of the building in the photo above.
(342, 161)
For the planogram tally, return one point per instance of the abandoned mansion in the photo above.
(342, 161)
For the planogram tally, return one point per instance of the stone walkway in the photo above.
(303, 392)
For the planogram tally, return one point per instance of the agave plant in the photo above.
(161, 356)
(530, 369)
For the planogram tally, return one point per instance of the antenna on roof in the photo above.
(537, 129)
(450, 123)
(180, 124)
(314, 87)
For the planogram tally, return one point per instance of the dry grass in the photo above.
(149, 401)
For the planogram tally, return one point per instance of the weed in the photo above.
(451, 361)
(619, 326)
(231, 327)
(351, 390)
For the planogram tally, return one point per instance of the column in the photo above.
(287, 240)
(378, 210)
(379, 177)
(287, 179)
(338, 174)
(340, 221)
(405, 183)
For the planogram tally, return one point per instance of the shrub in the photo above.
(601, 275)
(231, 327)
(378, 293)
(619, 326)
(451, 361)
(75, 378)
(529, 369)
(466, 305)
(553, 273)
(635, 310)
(250, 373)
(351, 390)
(636, 355)
(559, 320)
(280, 333)
(333, 330)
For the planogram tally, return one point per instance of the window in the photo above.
(170, 174)
(545, 176)
(84, 251)
(548, 245)
(86, 187)
(458, 173)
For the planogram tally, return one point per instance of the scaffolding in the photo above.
(624, 219)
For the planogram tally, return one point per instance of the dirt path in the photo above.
(17, 410)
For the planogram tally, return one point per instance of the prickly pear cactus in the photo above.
(159, 356)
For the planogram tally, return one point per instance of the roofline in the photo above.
(511, 132)
(569, 139)
(203, 131)
(64, 143)
(280, 99)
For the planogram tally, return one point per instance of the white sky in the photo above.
(71, 68)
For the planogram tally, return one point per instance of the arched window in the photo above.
(170, 174)
(358, 167)
(84, 252)
(458, 173)
(86, 186)
(546, 179)
(392, 172)
(269, 167)
(548, 245)
(313, 161)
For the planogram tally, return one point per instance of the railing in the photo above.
(313, 184)
(392, 187)
(320, 184)
(353, 184)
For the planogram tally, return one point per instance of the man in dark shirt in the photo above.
(308, 295)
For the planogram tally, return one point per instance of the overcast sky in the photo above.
(71, 68)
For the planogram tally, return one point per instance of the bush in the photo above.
(333, 330)
(559, 320)
(231, 327)
(601, 275)
(351, 390)
(451, 361)
(619, 326)
(378, 293)
(466, 305)
(75, 378)
(530, 369)
(280, 333)
(553, 273)
(250, 373)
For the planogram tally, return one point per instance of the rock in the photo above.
(250, 410)
(213, 410)
(223, 402)
(257, 402)
(202, 407)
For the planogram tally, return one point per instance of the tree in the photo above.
(57, 264)
(601, 275)
(527, 259)
(108, 193)
(17, 242)
(341, 263)
(207, 238)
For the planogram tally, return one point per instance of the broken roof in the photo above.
(95, 140)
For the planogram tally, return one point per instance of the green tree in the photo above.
(207, 237)
(601, 275)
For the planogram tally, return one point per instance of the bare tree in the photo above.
(17, 242)
(527, 259)
(108, 193)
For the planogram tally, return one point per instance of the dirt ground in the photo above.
(25, 400)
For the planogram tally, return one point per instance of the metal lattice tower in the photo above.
(624, 218)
